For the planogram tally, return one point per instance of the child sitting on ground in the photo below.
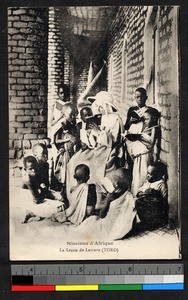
(35, 175)
(116, 187)
(31, 179)
(116, 217)
(82, 198)
(152, 197)
(40, 152)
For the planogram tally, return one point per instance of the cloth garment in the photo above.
(116, 224)
(159, 185)
(142, 156)
(106, 154)
(47, 208)
(66, 150)
(86, 136)
(76, 212)
(64, 141)
(99, 160)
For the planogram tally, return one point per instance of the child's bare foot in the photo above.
(39, 201)
(36, 219)
(59, 217)
(29, 215)
(61, 207)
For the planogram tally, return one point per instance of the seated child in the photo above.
(118, 211)
(152, 197)
(82, 199)
(40, 152)
(36, 175)
(31, 179)
(86, 138)
(81, 175)
(117, 178)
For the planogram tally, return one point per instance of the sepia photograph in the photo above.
(94, 132)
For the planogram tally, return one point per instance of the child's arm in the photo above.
(59, 138)
(33, 188)
(164, 190)
(158, 143)
(142, 189)
(92, 196)
(149, 138)
(109, 198)
(53, 120)
(132, 118)
(43, 174)
(90, 210)
(72, 189)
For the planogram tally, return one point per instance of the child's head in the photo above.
(30, 165)
(69, 113)
(82, 173)
(40, 152)
(121, 180)
(141, 96)
(63, 92)
(151, 117)
(156, 172)
(85, 112)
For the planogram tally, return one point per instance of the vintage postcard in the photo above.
(94, 147)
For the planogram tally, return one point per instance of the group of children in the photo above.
(151, 199)
(148, 174)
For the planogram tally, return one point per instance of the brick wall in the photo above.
(168, 96)
(60, 60)
(27, 77)
(129, 20)
(132, 20)
(81, 77)
(55, 59)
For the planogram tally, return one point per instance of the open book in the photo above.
(93, 119)
(59, 105)
(131, 136)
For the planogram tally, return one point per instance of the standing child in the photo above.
(152, 197)
(144, 147)
(87, 139)
(57, 107)
(65, 140)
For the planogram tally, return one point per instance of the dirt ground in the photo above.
(47, 240)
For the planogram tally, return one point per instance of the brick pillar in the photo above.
(55, 59)
(27, 75)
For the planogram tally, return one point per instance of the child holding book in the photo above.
(87, 139)
(65, 141)
(144, 149)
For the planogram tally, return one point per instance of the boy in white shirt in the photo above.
(152, 197)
